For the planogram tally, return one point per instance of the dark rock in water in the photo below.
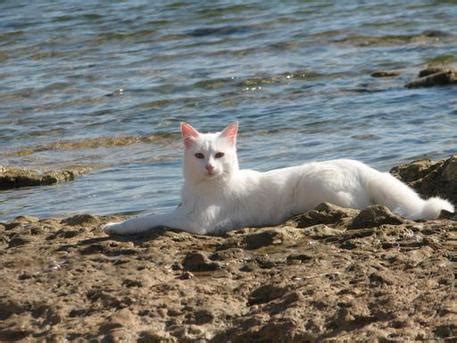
(430, 178)
(386, 73)
(11, 177)
(434, 76)
(432, 70)
(375, 216)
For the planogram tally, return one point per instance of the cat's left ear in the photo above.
(230, 132)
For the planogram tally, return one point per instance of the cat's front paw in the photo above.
(114, 229)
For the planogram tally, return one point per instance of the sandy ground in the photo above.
(331, 273)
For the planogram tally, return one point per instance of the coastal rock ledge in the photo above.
(14, 177)
(331, 273)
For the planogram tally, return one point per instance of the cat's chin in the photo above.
(212, 176)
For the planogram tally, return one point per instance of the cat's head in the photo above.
(209, 156)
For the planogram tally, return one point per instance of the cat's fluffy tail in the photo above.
(386, 190)
(433, 207)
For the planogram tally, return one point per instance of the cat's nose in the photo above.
(209, 168)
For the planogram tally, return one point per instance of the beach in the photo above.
(331, 273)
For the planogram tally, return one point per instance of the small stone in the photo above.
(267, 293)
(249, 267)
(299, 257)
(380, 278)
(198, 262)
(374, 216)
(201, 317)
(153, 336)
(321, 231)
(324, 213)
(18, 240)
(132, 283)
(81, 219)
(384, 73)
(186, 276)
(122, 318)
(259, 240)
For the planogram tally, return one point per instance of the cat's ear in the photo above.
(230, 132)
(188, 134)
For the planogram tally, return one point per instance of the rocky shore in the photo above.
(13, 177)
(331, 273)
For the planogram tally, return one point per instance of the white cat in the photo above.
(217, 196)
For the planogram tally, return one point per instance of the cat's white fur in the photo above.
(217, 196)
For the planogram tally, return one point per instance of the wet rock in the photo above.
(12, 177)
(324, 213)
(199, 262)
(386, 73)
(434, 76)
(374, 216)
(430, 71)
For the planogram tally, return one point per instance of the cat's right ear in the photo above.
(230, 132)
(188, 134)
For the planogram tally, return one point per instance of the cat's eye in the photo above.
(199, 155)
(219, 155)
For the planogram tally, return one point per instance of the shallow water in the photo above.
(76, 76)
